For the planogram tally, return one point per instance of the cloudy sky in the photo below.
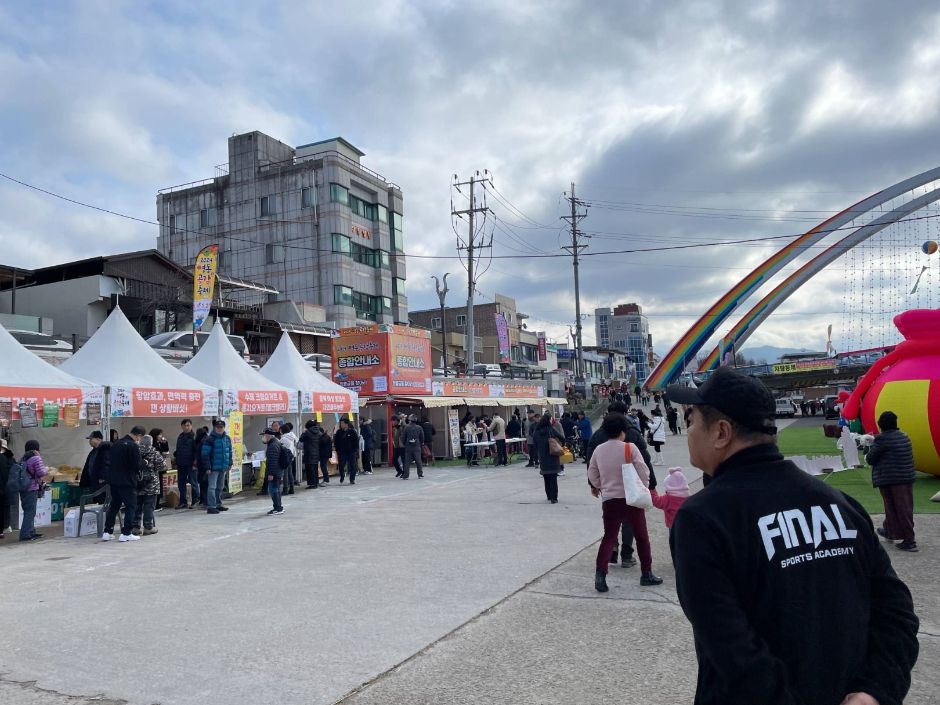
(682, 123)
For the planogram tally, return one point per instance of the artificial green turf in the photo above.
(857, 484)
(806, 441)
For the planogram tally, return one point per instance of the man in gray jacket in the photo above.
(498, 431)
(891, 457)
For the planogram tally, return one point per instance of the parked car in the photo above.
(487, 370)
(177, 346)
(319, 361)
(831, 406)
(439, 372)
(785, 407)
(45, 346)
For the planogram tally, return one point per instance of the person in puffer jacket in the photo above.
(151, 465)
(891, 457)
(36, 469)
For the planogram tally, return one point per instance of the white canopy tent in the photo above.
(142, 384)
(244, 389)
(26, 379)
(317, 393)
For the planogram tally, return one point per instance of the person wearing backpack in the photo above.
(28, 474)
(125, 475)
(6, 462)
(275, 464)
(217, 452)
(413, 437)
(346, 441)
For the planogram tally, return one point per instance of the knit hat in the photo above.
(676, 484)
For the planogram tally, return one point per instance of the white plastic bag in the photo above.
(637, 494)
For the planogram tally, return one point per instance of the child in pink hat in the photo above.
(677, 491)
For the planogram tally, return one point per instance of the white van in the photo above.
(785, 407)
(487, 370)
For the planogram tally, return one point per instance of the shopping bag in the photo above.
(566, 458)
(334, 460)
(554, 447)
(636, 493)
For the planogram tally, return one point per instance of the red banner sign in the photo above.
(543, 348)
(38, 396)
(336, 403)
(383, 359)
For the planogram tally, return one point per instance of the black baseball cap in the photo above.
(743, 399)
(95, 434)
(268, 432)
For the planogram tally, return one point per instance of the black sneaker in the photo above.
(223, 509)
(628, 562)
(182, 506)
(271, 511)
(649, 579)
(908, 546)
(312, 487)
(884, 534)
(212, 511)
(277, 512)
(600, 582)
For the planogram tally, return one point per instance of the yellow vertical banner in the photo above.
(349, 415)
(237, 431)
(319, 417)
(204, 270)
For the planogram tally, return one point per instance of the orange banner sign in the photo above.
(39, 396)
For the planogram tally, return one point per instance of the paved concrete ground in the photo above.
(465, 587)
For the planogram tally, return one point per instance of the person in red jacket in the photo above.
(677, 491)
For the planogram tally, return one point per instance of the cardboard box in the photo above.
(89, 524)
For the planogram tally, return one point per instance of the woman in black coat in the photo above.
(6, 462)
(549, 465)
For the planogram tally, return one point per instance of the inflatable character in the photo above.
(907, 382)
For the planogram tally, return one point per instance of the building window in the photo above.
(342, 295)
(207, 217)
(398, 244)
(634, 327)
(273, 253)
(339, 194)
(341, 244)
(171, 223)
(363, 255)
(436, 323)
(308, 197)
(268, 205)
(398, 286)
(381, 212)
(386, 304)
(384, 259)
(461, 320)
(362, 208)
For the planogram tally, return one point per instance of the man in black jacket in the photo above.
(791, 597)
(368, 445)
(125, 473)
(346, 442)
(185, 455)
(310, 443)
(96, 471)
(891, 457)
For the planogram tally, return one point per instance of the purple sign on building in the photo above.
(502, 334)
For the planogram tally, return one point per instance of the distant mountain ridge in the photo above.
(767, 353)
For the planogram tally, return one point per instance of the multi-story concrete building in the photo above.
(627, 330)
(311, 221)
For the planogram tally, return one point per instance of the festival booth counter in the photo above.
(45, 403)
(319, 397)
(245, 393)
(141, 385)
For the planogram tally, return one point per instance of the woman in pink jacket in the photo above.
(36, 469)
(606, 479)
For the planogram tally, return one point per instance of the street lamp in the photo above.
(441, 294)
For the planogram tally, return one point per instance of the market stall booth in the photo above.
(249, 399)
(143, 388)
(319, 397)
(45, 403)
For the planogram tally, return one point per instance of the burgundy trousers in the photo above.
(899, 511)
(617, 512)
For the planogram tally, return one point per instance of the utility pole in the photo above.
(575, 249)
(441, 293)
(473, 249)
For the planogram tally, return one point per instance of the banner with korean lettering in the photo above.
(312, 402)
(543, 348)
(410, 361)
(502, 336)
(481, 390)
(207, 263)
(360, 360)
(236, 430)
(144, 402)
(37, 397)
(259, 402)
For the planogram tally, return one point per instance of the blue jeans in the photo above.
(216, 485)
(191, 477)
(28, 501)
(274, 489)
